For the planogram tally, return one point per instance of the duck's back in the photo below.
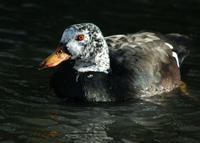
(143, 64)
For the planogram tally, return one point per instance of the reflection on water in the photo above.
(29, 112)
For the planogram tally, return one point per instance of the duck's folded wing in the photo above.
(142, 62)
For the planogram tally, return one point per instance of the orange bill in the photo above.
(54, 59)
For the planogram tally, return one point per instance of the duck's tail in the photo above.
(181, 45)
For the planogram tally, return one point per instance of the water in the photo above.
(29, 111)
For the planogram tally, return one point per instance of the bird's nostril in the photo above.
(59, 52)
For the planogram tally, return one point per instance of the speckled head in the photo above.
(86, 45)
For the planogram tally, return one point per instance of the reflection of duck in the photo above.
(117, 67)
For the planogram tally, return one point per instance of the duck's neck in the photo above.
(96, 86)
(99, 62)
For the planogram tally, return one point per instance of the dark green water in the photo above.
(29, 111)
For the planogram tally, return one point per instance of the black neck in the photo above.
(95, 86)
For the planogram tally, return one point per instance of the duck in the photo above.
(122, 67)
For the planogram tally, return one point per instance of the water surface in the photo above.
(29, 111)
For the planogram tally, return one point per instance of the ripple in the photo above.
(9, 91)
(182, 139)
(36, 121)
(8, 75)
(9, 41)
(30, 5)
(13, 32)
(9, 127)
(7, 141)
(9, 55)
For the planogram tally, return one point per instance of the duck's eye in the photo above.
(80, 37)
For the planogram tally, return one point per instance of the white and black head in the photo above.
(85, 44)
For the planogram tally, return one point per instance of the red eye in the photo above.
(80, 37)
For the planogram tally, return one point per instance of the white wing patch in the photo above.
(176, 57)
(170, 46)
(173, 53)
